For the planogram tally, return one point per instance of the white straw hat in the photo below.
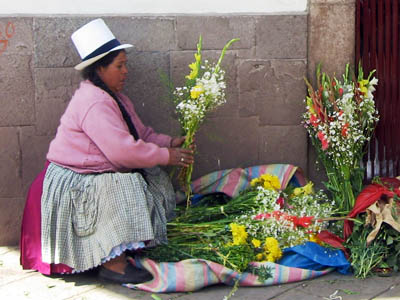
(94, 41)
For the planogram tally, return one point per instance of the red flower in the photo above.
(323, 140)
(314, 120)
(344, 129)
(340, 92)
(281, 202)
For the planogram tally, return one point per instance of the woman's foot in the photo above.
(120, 271)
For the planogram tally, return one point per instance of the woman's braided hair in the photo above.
(90, 72)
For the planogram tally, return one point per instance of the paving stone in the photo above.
(10, 163)
(179, 69)
(215, 30)
(276, 37)
(17, 90)
(10, 269)
(393, 292)
(10, 220)
(267, 87)
(16, 35)
(283, 144)
(54, 89)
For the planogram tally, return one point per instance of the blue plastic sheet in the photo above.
(312, 256)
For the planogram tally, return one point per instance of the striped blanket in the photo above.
(232, 181)
(193, 274)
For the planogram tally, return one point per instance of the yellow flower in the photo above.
(256, 243)
(271, 182)
(239, 234)
(271, 246)
(297, 191)
(310, 104)
(260, 256)
(195, 67)
(363, 87)
(196, 91)
(314, 238)
(254, 181)
(308, 188)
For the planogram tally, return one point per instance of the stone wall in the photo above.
(260, 124)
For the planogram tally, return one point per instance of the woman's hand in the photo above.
(180, 157)
(177, 141)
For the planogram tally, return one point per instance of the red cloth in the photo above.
(30, 244)
(368, 196)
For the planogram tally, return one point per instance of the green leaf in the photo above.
(389, 240)
(349, 292)
(155, 297)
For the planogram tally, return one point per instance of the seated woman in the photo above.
(101, 193)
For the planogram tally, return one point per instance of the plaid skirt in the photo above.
(85, 217)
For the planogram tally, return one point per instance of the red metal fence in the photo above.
(377, 45)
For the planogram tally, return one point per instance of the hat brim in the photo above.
(92, 60)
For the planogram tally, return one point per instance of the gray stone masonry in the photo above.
(259, 124)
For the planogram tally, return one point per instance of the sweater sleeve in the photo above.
(104, 125)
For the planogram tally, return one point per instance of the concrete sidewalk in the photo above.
(17, 284)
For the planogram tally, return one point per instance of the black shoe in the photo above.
(132, 275)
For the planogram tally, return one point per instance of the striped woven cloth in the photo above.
(193, 274)
(232, 181)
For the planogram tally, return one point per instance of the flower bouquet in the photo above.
(252, 227)
(340, 120)
(203, 91)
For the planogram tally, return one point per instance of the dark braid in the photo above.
(90, 73)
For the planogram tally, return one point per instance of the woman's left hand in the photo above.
(177, 142)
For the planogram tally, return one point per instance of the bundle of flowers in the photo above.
(254, 226)
(340, 120)
(203, 91)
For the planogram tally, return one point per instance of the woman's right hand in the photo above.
(180, 157)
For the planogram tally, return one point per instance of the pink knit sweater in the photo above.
(93, 136)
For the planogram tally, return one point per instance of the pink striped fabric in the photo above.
(193, 274)
(232, 181)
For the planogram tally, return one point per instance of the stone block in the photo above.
(52, 38)
(281, 36)
(11, 210)
(149, 93)
(10, 163)
(54, 47)
(215, 30)
(331, 43)
(179, 69)
(34, 149)
(224, 143)
(54, 89)
(273, 90)
(283, 145)
(146, 33)
(17, 90)
(16, 36)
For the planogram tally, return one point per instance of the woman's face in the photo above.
(114, 74)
